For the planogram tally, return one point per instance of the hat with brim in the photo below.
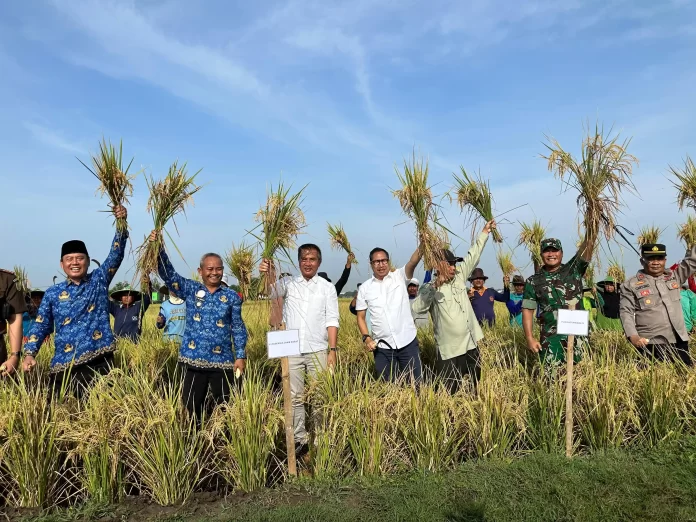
(653, 250)
(518, 280)
(36, 293)
(477, 274)
(607, 280)
(449, 256)
(163, 289)
(324, 275)
(116, 295)
(551, 243)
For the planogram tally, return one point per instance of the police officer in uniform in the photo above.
(650, 307)
(12, 306)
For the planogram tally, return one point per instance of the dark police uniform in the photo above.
(11, 302)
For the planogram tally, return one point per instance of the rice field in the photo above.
(132, 437)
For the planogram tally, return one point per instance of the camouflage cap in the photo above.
(551, 242)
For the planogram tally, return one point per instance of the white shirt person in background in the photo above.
(393, 339)
(310, 305)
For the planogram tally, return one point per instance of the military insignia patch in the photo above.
(674, 285)
(648, 301)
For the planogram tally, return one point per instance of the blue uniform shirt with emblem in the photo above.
(213, 321)
(80, 313)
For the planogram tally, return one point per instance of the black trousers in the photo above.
(452, 370)
(199, 382)
(672, 352)
(78, 379)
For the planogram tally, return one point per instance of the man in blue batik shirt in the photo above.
(213, 314)
(79, 309)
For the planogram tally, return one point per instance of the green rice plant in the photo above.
(241, 260)
(339, 240)
(332, 458)
(687, 232)
(531, 236)
(31, 455)
(649, 234)
(545, 414)
(432, 432)
(244, 432)
(685, 183)
(589, 277)
(416, 199)
(114, 182)
(474, 197)
(659, 404)
(21, 279)
(168, 198)
(165, 451)
(602, 173)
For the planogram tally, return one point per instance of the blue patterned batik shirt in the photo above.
(213, 321)
(80, 314)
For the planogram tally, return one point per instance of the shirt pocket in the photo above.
(647, 298)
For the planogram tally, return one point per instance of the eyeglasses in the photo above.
(379, 261)
(452, 263)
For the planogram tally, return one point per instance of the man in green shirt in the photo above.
(456, 329)
(555, 286)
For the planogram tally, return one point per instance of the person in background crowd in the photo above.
(606, 301)
(421, 320)
(688, 302)
(213, 350)
(457, 331)
(128, 307)
(29, 316)
(652, 320)
(384, 295)
(310, 305)
(12, 306)
(345, 275)
(483, 299)
(514, 302)
(79, 309)
(172, 317)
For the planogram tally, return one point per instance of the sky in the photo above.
(333, 95)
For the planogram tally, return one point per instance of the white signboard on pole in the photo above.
(573, 322)
(283, 343)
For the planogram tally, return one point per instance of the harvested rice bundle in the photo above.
(687, 232)
(339, 240)
(474, 196)
(616, 272)
(649, 234)
(240, 260)
(168, 198)
(685, 184)
(505, 262)
(531, 237)
(21, 279)
(115, 182)
(416, 200)
(589, 277)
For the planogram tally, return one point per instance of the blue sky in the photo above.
(333, 94)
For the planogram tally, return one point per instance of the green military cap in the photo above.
(653, 249)
(551, 242)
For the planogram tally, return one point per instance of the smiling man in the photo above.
(79, 309)
(213, 322)
(552, 288)
(651, 310)
(310, 305)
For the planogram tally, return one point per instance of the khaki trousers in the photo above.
(307, 364)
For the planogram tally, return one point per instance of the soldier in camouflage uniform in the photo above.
(553, 287)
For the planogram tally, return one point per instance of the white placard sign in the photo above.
(283, 343)
(573, 322)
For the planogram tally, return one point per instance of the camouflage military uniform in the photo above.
(551, 291)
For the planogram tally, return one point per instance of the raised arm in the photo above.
(117, 251)
(588, 244)
(686, 267)
(344, 276)
(474, 255)
(410, 267)
(180, 285)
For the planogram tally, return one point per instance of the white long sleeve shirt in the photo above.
(310, 307)
(389, 307)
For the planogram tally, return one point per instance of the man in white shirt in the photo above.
(393, 339)
(310, 305)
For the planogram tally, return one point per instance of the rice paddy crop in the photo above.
(132, 436)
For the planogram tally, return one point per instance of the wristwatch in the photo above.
(366, 336)
(15, 354)
(333, 349)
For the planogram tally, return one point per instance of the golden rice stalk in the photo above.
(281, 220)
(604, 170)
(168, 198)
(685, 184)
(649, 234)
(241, 260)
(474, 196)
(505, 262)
(687, 232)
(339, 239)
(416, 200)
(589, 276)
(21, 279)
(531, 237)
(617, 272)
(116, 183)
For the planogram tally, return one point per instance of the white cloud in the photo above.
(53, 138)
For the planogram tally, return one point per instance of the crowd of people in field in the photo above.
(204, 317)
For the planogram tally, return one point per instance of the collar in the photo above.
(84, 280)
(176, 300)
(480, 292)
(314, 279)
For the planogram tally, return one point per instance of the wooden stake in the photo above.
(569, 393)
(287, 408)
